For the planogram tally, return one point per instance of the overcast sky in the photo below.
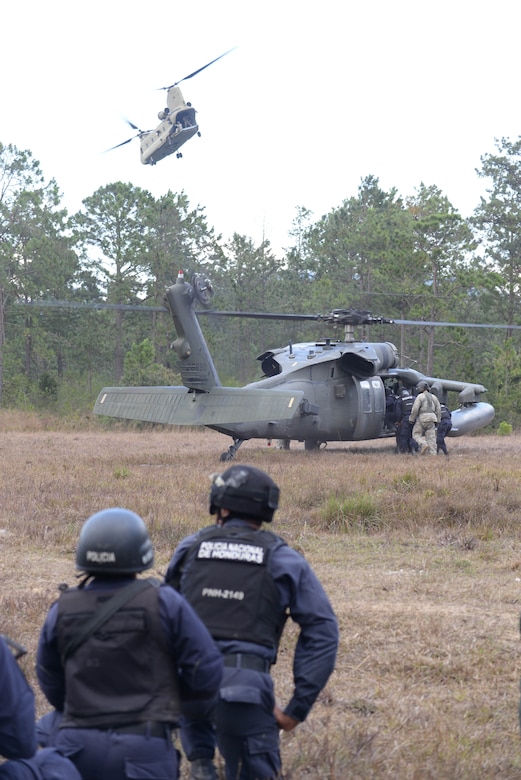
(315, 97)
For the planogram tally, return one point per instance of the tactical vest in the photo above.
(407, 404)
(445, 413)
(124, 672)
(230, 587)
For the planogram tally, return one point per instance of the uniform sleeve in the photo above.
(49, 669)
(315, 652)
(17, 719)
(198, 659)
(415, 409)
(173, 572)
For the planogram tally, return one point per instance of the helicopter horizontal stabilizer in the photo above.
(179, 406)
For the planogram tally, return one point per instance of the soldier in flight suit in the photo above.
(17, 729)
(425, 415)
(243, 582)
(119, 656)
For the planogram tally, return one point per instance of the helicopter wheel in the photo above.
(311, 445)
(178, 155)
(232, 449)
(226, 456)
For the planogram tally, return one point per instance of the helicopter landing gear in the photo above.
(232, 449)
(314, 445)
(179, 154)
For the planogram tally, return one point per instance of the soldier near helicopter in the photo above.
(425, 415)
(391, 401)
(444, 426)
(404, 438)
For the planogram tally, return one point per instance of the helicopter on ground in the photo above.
(177, 124)
(314, 392)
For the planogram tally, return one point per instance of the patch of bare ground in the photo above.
(421, 558)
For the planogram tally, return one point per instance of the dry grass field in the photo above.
(421, 558)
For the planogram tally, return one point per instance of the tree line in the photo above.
(404, 257)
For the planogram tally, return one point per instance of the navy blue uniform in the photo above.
(17, 729)
(117, 752)
(247, 732)
(444, 426)
(404, 438)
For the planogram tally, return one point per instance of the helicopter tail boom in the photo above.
(221, 406)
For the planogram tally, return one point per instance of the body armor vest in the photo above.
(123, 673)
(230, 587)
(445, 412)
(407, 404)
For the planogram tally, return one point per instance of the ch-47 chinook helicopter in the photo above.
(178, 124)
(314, 392)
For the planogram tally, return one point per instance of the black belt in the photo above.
(148, 729)
(247, 661)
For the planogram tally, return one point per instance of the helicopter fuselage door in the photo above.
(371, 408)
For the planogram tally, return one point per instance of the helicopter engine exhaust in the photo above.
(368, 359)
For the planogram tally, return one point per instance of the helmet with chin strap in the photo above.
(245, 491)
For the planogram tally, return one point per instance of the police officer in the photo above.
(244, 581)
(17, 729)
(425, 416)
(390, 409)
(118, 656)
(404, 438)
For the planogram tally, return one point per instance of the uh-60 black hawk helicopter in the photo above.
(178, 124)
(315, 392)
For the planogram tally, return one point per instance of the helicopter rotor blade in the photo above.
(200, 69)
(337, 316)
(258, 315)
(123, 143)
(141, 307)
(439, 324)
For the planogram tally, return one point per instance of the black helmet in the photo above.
(421, 386)
(246, 491)
(114, 541)
(404, 392)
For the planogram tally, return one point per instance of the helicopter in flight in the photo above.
(177, 124)
(316, 392)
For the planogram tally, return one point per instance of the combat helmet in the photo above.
(114, 541)
(422, 385)
(245, 491)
